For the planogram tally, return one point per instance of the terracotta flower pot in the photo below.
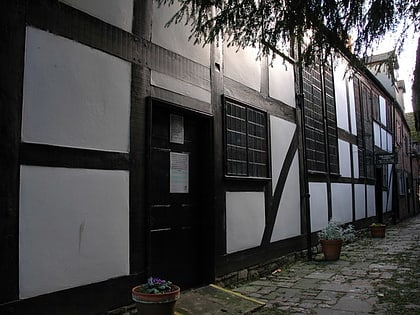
(155, 304)
(331, 249)
(377, 231)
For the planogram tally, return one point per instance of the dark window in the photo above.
(246, 141)
(320, 119)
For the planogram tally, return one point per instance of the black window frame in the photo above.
(250, 147)
(320, 119)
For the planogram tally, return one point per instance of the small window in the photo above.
(245, 140)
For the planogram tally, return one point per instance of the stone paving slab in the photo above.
(373, 276)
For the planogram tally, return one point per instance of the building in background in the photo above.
(126, 151)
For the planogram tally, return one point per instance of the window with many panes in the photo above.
(245, 140)
(320, 119)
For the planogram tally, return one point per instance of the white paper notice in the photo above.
(176, 129)
(178, 177)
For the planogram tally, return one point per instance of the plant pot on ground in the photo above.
(332, 237)
(156, 297)
(377, 230)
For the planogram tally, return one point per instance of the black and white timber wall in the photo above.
(126, 151)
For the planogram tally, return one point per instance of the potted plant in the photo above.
(377, 230)
(156, 297)
(331, 238)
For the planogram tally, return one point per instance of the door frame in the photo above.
(210, 213)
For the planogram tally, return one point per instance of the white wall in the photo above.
(282, 133)
(344, 157)
(175, 38)
(282, 81)
(288, 218)
(371, 205)
(245, 220)
(341, 198)
(359, 194)
(318, 205)
(352, 108)
(242, 66)
(355, 152)
(118, 13)
(178, 86)
(73, 95)
(340, 88)
(382, 110)
(73, 228)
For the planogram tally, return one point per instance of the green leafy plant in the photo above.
(334, 231)
(156, 286)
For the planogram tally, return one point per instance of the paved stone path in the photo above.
(373, 276)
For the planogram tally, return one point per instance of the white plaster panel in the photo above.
(340, 88)
(355, 152)
(74, 228)
(389, 142)
(73, 95)
(344, 157)
(382, 110)
(352, 108)
(282, 81)
(245, 220)
(167, 82)
(370, 196)
(383, 139)
(359, 196)
(175, 37)
(341, 198)
(118, 13)
(377, 134)
(281, 136)
(318, 206)
(288, 219)
(242, 66)
(388, 194)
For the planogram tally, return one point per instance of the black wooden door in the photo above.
(180, 221)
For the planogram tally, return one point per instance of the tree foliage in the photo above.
(324, 25)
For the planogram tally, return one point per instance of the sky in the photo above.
(406, 61)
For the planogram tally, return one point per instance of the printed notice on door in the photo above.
(178, 176)
(176, 129)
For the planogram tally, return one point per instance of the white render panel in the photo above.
(282, 81)
(242, 65)
(377, 134)
(118, 13)
(175, 37)
(281, 136)
(245, 220)
(389, 142)
(341, 202)
(74, 228)
(73, 95)
(370, 197)
(288, 221)
(382, 110)
(318, 206)
(340, 88)
(359, 195)
(344, 156)
(169, 83)
(352, 107)
(384, 139)
(355, 151)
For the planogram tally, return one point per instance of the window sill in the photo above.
(247, 178)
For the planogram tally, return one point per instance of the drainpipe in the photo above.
(305, 193)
